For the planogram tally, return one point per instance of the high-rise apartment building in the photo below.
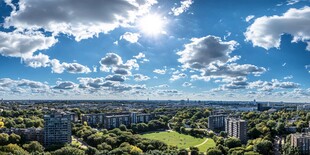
(302, 142)
(236, 128)
(216, 122)
(57, 129)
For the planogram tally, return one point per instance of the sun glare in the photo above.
(152, 24)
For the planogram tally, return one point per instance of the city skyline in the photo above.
(201, 50)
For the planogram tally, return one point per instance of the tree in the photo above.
(33, 146)
(214, 152)
(264, 147)
(91, 151)
(123, 127)
(14, 149)
(280, 128)
(68, 150)
(135, 150)
(183, 152)
(14, 138)
(232, 142)
(4, 138)
(194, 150)
(254, 133)
(223, 134)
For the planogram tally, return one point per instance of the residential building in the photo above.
(302, 142)
(27, 134)
(305, 107)
(114, 120)
(57, 129)
(216, 122)
(236, 127)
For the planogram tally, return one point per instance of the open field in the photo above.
(181, 140)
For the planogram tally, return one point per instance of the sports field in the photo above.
(182, 141)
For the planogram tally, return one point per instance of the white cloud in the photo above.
(64, 85)
(130, 37)
(113, 62)
(274, 84)
(203, 51)
(79, 18)
(24, 44)
(160, 71)
(175, 77)
(139, 56)
(40, 60)
(187, 84)
(140, 77)
(115, 77)
(288, 77)
(266, 31)
(249, 18)
(211, 56)
(185, 4)
(307, 68)
(292, 2)
(10, 86)
(162, 86)
(74, 68)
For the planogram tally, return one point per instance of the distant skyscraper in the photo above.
(57, 129)
(236, 128)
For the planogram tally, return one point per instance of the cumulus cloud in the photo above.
(107, 84)
(175, 77)
(113, 62)
(24, 44)
(74, 68)
(274, 84)
(139, 56)
(211, 56)
(115, 77)
(40, 60)
(130, 37)
(8, 85)
(187, 84)
(185, 4)
(79, 18)
(202, 51)
(160, 71)
(140, 77)
(266, 31)
(64, 85)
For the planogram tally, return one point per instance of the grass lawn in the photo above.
(180, 140)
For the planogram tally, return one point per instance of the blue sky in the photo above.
(197, 49)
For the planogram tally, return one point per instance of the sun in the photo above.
(152, 24)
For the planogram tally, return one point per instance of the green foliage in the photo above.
(264, 147)
(14, 138)
(232, 142)
(33, 146)
(68, 150)
(14, 149)
(214, 152)
(4, 139)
